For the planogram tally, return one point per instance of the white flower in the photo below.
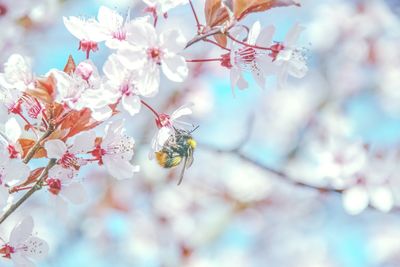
(372, 185)
(88, 32)
(81, 89)
(163, 6)
(114, 27)
(116, 150)
(12, 169)
(290, 59)
(22, 247)
(122, 85)
(244, 58)
(68, 156)
(166, 124)
(62, 187)
(148, 51)
(17, 74)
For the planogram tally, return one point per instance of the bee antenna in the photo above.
(194, 129)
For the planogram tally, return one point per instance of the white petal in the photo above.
(76, 27)
(355, 199)
(118, 168)
(55, 148)
(381, 198)
(182, 111)
(132, 57)
(142, 33)
(101, 114)
(84, 142)
(150, 81)
(265, 37)
(36, 248)
(163, 134)
(12, 130)
(258, 76)
(297, 68)
(22, 231)
(109, 18)
(293, 35)
(173, 40)
(175, 68)
(131, 104)
(3, 196)
(74, 192)
(20, 260)
(254, 32)
(16, 170)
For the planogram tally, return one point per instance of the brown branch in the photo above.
(200, 37)
(284, 176)
(38, 144)
(29, 193)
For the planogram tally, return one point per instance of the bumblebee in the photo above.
(179, 147)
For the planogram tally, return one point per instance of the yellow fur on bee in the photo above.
(161, 158)
(191, 142)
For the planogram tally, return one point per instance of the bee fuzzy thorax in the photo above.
(192, 143)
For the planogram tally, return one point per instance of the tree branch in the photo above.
(29, 193)
(37, 145)
(211, 32)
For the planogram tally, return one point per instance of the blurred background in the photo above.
(233, 207)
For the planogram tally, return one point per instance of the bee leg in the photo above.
(182, 171)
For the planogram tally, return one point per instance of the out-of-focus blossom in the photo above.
(22, 246)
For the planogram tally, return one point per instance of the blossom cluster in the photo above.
(54, 117)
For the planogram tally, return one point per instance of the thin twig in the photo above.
(208, 33)
(38, 144)
(29, 193)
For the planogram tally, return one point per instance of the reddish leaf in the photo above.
(33, 176)
(215, 13)
(78, 121)
(70, 66)
(26, 144)
(45, 89)
(243, 7)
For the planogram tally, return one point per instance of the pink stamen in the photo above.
(13, 153)
(87, 46)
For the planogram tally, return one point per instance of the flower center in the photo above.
(275, 49)
(120, 34)
(98, 153)
(247, 54)
(54, 186)
(87, 46)
(155, 54)
(69, 160)
(7, 250)
(13, 153)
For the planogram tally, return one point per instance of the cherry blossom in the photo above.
(13, 169)
(62, 188)
(148, 51)
(81, 88)
(68, 156)
(289, 58)
(244, 58)
(88, 32)
(122, 84)
(166, 124)
(116, 150)
(17, 74)
(22, 247)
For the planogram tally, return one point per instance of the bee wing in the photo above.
(190, 158)
(183, 171)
